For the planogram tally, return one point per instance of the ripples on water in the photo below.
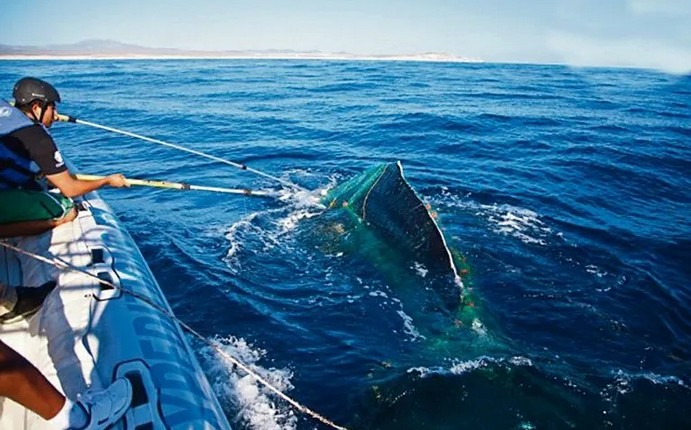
(567, 190)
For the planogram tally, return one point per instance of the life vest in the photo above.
(16, 171)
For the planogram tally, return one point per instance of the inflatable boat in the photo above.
(88, 332)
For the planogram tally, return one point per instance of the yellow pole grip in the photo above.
(142, 182)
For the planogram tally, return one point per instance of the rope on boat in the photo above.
(67, 118)
(62, 264)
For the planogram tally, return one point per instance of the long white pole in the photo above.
(67, 118)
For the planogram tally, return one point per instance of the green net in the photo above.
(383, 199)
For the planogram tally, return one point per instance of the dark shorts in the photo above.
(24, 205)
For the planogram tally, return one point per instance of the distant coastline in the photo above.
(99, 57)
(111, 50)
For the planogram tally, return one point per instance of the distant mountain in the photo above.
(93, 47)
(98, 48)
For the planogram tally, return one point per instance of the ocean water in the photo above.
(568, 192)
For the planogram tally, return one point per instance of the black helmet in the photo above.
(29, 89)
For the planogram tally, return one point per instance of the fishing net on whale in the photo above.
(382, 198)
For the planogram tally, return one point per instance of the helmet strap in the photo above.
(43, 111)
(30, 111)
(38, 119)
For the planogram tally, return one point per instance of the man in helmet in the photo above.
(27, 150)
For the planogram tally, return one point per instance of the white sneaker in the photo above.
(106, 407)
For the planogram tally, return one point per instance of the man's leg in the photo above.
(22, 302)
(27, 212)
(95, 410)
(31, 228)
(23, 383)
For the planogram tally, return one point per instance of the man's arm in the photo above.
(69, 186)
(42, 150)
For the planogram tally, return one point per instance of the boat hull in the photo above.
(88, 333)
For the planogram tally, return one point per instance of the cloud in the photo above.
(673, 8)
(581, 50)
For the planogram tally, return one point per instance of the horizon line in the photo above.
(108, 48)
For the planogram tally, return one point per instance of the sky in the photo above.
(631, 33)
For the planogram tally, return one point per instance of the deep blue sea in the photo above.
(568, 191)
